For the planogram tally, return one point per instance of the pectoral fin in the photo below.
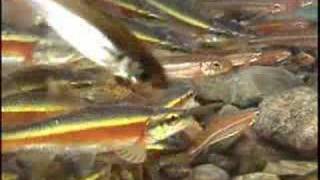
(37, 161)
(84, 162)
(133, 154)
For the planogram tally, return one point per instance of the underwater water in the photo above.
(159, 89)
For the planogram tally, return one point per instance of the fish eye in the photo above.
(216, 65)
(276, 8)
(173, 116)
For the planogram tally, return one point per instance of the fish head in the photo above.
(168, 128)
(216, 67)
(275, 56)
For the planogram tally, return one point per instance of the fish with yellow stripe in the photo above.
(122, 129)
(30, 107)
(130, 8)
(184, 11)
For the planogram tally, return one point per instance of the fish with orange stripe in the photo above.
(122, 129)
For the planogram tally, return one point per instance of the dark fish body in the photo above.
(38, 78)
(128, 60)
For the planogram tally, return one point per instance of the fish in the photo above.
(265, 57)
(103, 40)
(35, 48)
(182, 11)
(117, 128)
(134, 7)
(155, 34)
(246, 6)
(274, 27)
(219, 43)
(221, 128)
(300, 40)
(303, 58)
(196, 64)
(44, 77)
(180, 100)
(26, 108)
(16, 51)
(262, 7)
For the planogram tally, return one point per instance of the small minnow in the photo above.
(118, 128)
(102, 39)
(188, 66)
(305, 41)
(220, 129)
(248, 6)
(257, 58)
(26, 108)
(50, 50)
(40, 77)
(279, 26)
(176, 10)
(134, 7)
(155, 35)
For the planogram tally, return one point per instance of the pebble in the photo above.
(289, 167)
(257, 176)
(209, 172)
(227, 163)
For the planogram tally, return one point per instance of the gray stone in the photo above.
(254, 153)
(228, 109)
(209, 172)
(246, 87)
(290, 119)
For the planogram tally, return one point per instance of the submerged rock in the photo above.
(246, 87)
(254, 153)
(228, 109)
(225, 162)
(257, 176)
(290, 119)
(285, 167)
(209, 172)
(176, 171)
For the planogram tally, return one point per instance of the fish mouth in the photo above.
(164, 130)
